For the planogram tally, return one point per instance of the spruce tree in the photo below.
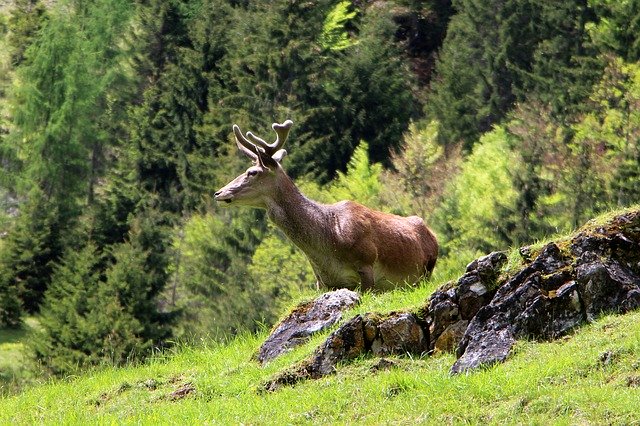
(499, 52)
(65, 341)
(369, 88)
(31, 248)
(99, 311)
(63, 119)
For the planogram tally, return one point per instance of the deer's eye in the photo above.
(252, 172)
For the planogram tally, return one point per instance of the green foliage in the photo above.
(17, 371)
(420, 172)
(361, 182)
(281, 273)
(88, 319)
(605, 146)
(498, 52)
(10, 304)
(466, 219)
(618, 27)
(211, 283)
(370, 91)
(334, 33)
(25, 20)
(29, 252)
(63, 96)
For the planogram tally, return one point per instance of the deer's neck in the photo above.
(300, 218)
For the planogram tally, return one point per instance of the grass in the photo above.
(15, 371)
(592, 376)
(589, 377)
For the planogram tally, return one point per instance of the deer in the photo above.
(347, 244)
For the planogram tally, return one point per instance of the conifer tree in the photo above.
(89, 319)
(30, 250)
(24, 22)
(501, 51)
(369, 89)
(63, 111)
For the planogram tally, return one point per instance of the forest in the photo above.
(499, 122)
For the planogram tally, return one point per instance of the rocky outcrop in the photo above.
(305, 320)
(543, 295)
(568, 283)
(395, 333)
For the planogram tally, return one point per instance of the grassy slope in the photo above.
(592, 376)
(568, 381)
(14, 365)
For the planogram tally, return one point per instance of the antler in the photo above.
(249, 149)
(282, 131)
(258, 145)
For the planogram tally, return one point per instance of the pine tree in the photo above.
(26, 19)
(65, 341)
(97, 314)
(501, 51)
(369, 89)
(30, 250)
(63, 123)
(10, 304)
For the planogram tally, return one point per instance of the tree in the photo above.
(25, 20)
(617, 27)
(62, 126)
(211, 281)
(32, 246)
(98, 311)
(465, 221)
(473, 87)
(370, 90)
(502, 51)
(416, 183)
(10, 304)
(536, 139)
(605, 144)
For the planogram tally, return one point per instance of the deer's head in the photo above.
(258, 182)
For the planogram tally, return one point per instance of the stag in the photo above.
(347, 244)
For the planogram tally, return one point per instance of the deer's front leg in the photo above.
(366, 277)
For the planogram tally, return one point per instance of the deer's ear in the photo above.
(279, 155)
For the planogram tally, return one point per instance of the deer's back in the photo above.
(400, 248)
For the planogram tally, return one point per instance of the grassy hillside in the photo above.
(589, 377)
(15, 371)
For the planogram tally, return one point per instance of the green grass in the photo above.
(564, 382)
(15, 368)
(589, 377)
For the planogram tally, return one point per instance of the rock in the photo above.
(399, 334)
(443, 310)
(464, 298)
(494, 346)
(450, 338)
(552, 315)
(607, 286)
(304, 321)
(396, 333)
(345, 343)
(556, 292)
